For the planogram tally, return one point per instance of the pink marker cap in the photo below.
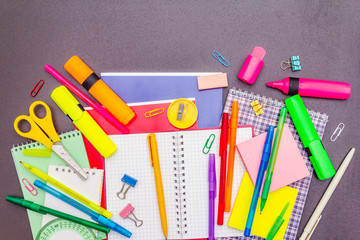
(252, 65)
(126, 211)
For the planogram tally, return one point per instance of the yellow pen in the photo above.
(154, 157)
(67, 190)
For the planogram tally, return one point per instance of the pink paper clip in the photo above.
(129, 210)
(27, 184)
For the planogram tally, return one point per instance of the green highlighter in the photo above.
(309, 137)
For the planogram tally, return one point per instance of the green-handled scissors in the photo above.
(41, 129)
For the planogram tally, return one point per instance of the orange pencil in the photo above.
(231, 158)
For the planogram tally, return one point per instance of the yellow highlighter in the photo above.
(97, 88)
(67, 190)
(83, 121)
(154, 158)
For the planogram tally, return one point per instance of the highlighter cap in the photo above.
(252, 65)
(309, 137)
(67, 103)
(78, 69)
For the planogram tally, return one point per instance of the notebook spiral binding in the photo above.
(179, 183)
(70, 170)
(271, 102)
(33, 144)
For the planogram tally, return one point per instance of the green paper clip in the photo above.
(208, 144)
(45, 152)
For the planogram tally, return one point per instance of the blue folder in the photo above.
(134, 89)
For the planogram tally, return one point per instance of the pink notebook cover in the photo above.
(290, 166)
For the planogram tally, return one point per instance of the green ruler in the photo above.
(57, 225)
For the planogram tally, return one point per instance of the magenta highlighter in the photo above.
(313, 88)
(252, 65)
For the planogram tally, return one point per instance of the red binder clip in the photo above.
(37, 88)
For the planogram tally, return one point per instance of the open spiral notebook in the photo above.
(184, 171)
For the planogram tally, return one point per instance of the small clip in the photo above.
(293, 62)
(129, 210)
(37, 88)
(337, 132)
(208, 144)
(127, 180)
(27, 184)
(258, 109)
(220, 58)
(154, 112)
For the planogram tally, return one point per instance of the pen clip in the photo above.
(149, 138)
(313, 228)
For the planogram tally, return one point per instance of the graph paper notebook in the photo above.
(184, 171)
(260, 124)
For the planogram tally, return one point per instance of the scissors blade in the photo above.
(59, 149)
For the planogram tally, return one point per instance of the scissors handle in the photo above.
(45, 123)
(35, 132)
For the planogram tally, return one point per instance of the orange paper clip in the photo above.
(37, 88)
(154, 112)
(29, 187)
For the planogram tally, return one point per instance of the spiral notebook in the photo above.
(72, 141)
(184, 171)
(261, 124)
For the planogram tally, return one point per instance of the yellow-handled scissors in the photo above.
(41, 129)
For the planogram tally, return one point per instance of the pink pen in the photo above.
(313, 88)
(96, 106)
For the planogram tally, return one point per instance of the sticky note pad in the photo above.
(289, 167)
(274, 205)
(212, 81)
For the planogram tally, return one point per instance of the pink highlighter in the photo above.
(313, 88)
(252, 65)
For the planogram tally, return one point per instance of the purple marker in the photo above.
(212, 195)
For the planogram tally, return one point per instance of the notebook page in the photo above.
(197, 185)
(132, 158)
(89, 188)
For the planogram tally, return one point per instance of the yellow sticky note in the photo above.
(274, 205)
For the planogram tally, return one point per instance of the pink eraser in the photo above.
(212, 81)
(252, 65)
(126, 211)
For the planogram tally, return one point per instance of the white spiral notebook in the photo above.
(184, 171)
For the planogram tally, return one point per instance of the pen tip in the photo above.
(260, 212)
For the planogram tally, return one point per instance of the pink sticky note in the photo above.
(212, 81)
(290, 166)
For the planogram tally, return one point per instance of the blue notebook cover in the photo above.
(153, 88)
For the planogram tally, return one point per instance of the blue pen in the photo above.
(263, 166)
(94, 215)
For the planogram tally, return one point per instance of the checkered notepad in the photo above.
(184, 172)
(261, 123)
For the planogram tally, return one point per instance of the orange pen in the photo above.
(231, 158)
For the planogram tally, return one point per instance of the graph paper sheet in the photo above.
(184, 171)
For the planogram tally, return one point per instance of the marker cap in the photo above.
(252, 65)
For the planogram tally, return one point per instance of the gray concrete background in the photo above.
(179, 36)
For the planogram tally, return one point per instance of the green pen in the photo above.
(45, 210)
(277, 224)
(274, 151)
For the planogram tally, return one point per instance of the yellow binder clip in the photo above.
(258, 109)
(154, 112)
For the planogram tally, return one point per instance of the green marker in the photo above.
(277, 224)
(309, 137)
(272, 161)
(45, 210)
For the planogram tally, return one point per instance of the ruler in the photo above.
(56, 226)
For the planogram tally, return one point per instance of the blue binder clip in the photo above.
(220, 58)
(293, 62)
(127, 180)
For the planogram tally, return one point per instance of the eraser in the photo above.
(252, 65)
(212, 81)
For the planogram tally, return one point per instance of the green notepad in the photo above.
(73, 143)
